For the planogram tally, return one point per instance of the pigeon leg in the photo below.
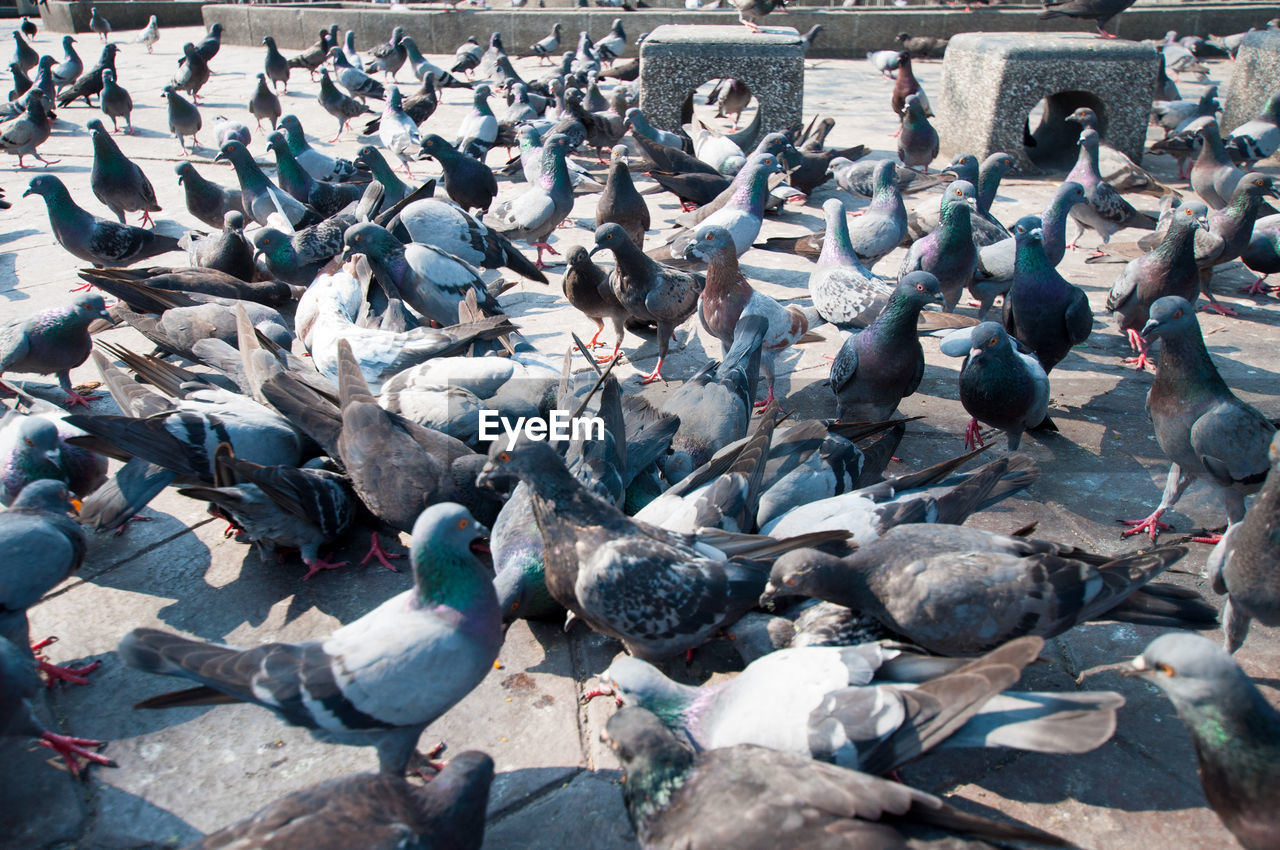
(605, 691)
(543, 246)
(146, 219)
(595, 340)
(973, 435)
(43, 160)
(1104, 34)
(1220, 309)
(376, 551)
(896, 133)
(135, 518)
(768, 399)
(74, 675)
(69, 748)
(688, 206)
(1139, 345)
(1259, 287)
(655, 375)
(1151, 524)
(318, 564)
(1174, 485)
(1213, 538)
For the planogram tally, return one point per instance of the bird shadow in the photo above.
(11, 236)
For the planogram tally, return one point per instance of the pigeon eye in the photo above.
(462, 524)
(1166, 669)
(504, 457)
(920, 287)
(1178, 315)
(789, 581)
(29, 443)
(991, 342)
(708, 237)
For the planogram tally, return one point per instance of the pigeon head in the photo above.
(234, 152)
(185, 170)
(1070, 192)
(1089, 139)
(526, 459)
(708, 243)
(374, 242)
(273, 244)
(1085, 117)
(190, 50)
(637, 682)
(964, 166)
(397, 35)
(233, 220)
(269, 41)
(998, 162)
(1170, 316)
(884, 176)
(89, 306)
(449, 529)
(394, 100)
(94, 126)
(645, 747)
(1257, 185)
(47, 186)
(1027, 225)
(961, 193)
(611, 236)
(39, 437)
(518, 593)
(1195, 673)
(108, 76)
(577, 258)
(1191, 214)
(987, 339)
(435, 146)
(920, 287)
(799, 572)
(44, 495)
(277, 143)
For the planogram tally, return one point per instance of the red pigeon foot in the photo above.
(376, 551)
(69, 748)
(1152, 525)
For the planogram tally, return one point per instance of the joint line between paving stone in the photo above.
(532, 797)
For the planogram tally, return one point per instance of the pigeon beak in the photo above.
(54, 456)
(593, 251)
(770, 593)
(103, 314)
(1272, 191)
(221, 157)
(1149, 329)
(938, 299)
(29, 191)
(1137, 669)
(347, 255)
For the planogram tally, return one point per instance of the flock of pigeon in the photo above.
(851, 596)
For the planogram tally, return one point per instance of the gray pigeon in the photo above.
(1104, 210)
(917, 139)
(259, 195)
(438, 639)
(356, 82)
(116, 180)
(275, 67)
(116, 102)
(227, 250)
(753, 798)
(882, 226)
(264, 103)
(817, 701)
(876, 368)
(1235, 730)
(948, 252)
(184, 119)
(1098, 11)
(23, 134)
(535, 214)
(963, 591)
(1204, 430)
(99, 24)
(69, 69)
(206, 200)
(372, 811)
(1213, 175)
(93, 239)
(340, 106)
(1042, 310)
(33, 447)
(193, 73)
(844, 291)
(1244, 563)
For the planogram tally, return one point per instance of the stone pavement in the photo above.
(185, 772)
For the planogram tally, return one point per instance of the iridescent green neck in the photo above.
(442, 577)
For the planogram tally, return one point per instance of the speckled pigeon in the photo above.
(437, 640)
(881, 365)
(93, 239)
(1103, 210)
(948, 253)
(754, 798)
(1233, 727)
(1042, 310)
(1204, 430)
(844, 291)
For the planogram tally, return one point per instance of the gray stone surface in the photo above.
(991, 82)
(675, 60)
(185, 772)
(1255, 77)
(61, 16)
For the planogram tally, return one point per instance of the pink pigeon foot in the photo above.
(973, 435)
(767, 399)
(84, 287)
(688, 206)
(1220, 309)
(74, 675)
(69, 748)
(376, 551)
(602, 692)
(1152, 525)
(74, 398)
(147, 221)
(655, 375)
(135, 518)
(319, 564)
(1095, 254)
(1259, 287)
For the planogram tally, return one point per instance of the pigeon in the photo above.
(812, 701)
(99, 24)
(1168, 269)
(467, 180)
(259, 195)
(298, 257)
(394, 190)
(1257, 138)
(374, 811)
(587, 289)
(1242, 565)
(1230, 231)
(884, 61)
(389, 56)
(1213, 176)
(276, 67)
(184, 119)
(22, 135)
(21, 82)
(1211, 693)
(1204, 430)
(429, 280)
(948, 252)
(193, 74)
(349, 51)
(479, 128)
(743, 213)
(467, 56)
(882, 364)
(922, 46)
(150, 34)
(445, 631)
(533, 215)
(327, 199)
(264, 103)
(1115, 167)
(356, 82)
(116, 102)
(752, 12)
(882, 226)
(905, 85)
(53, 341)
(620, 202)
(423, 67)
(23, 53)
(116, 180)
(659, 592)
(752, 798)
(844, 291)
(996, 262)
(613, 45)
(318, 165)
(1099, 11)
(1103, 210)
(456, 232)
(728, 296)
(546, 47)
(1262, 256)
(70, 68)
(209, 46)
(314, 56)
(917, 139)
(226, 250)
(339, 105)
(92, 239)
(398, 132)
(1042, 310)
(33, 447)
(639, 125)
(224, 131)
(90, 82)
(648, 290)
(207, 201)
(1001, 384)
(916, 577)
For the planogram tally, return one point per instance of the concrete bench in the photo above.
(675, 60)
(992, 82)
(1254, 78)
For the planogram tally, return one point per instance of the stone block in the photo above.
(991, 83)
(1255, 77)
(675, 60)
